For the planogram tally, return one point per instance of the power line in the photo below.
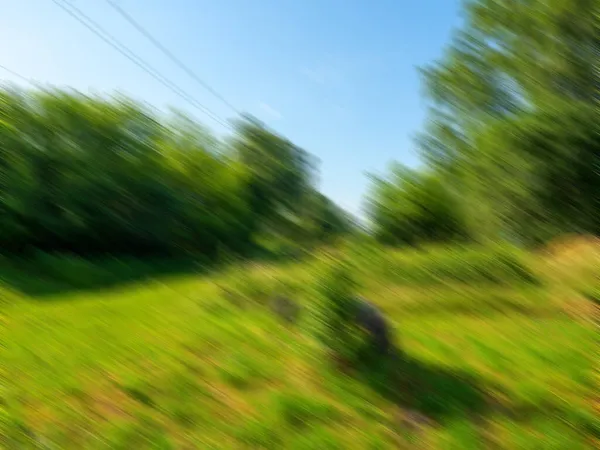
(18, 75)
(99, 31)
(169, 54)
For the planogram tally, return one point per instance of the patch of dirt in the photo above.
(110, 406)
(572, 251)
(109, 403)
(567, 245)
(341, 364)
(234, 404)
(412, 420)
(581, 309)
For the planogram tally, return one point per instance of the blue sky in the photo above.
(337, 77)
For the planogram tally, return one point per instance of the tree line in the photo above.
(511, 145)
(92, 175)
(511, 150)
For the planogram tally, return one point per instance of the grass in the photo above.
(167, 363)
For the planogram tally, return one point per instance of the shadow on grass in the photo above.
(435, 392)
(45, 277)
(440, 394)
(49, 277)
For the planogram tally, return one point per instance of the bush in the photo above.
(46, 273)
(72, 271)
(336, 287)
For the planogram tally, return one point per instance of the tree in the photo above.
(512, 74)
(409, 207)
(327, 219)
(280, 174)
(106, 175)
(91, 174)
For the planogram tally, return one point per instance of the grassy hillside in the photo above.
(493, 356)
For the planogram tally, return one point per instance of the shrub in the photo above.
(336, 287)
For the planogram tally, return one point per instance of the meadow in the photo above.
(482, 254)
(494, 350)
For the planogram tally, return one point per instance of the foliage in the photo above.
(491, 355)
(409, 207)
(513, 125)
(536, 175)
(94, 175)
(337, 289)
(325, 220)
(279, 172)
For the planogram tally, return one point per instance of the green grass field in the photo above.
(165, 362)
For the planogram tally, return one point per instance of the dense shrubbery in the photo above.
(336, 287)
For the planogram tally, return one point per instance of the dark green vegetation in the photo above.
(96, 176)
(139, 266)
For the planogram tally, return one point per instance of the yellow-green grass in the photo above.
(168, 363)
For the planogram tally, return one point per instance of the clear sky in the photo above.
(337, 77)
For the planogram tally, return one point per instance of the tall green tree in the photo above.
(515, 98)
(91, 174)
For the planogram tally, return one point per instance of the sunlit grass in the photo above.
(168, 363)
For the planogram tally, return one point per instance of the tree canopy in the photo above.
(97, 174)
(513, 125)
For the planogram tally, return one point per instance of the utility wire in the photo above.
(99, 31)
(168, 53)
(36, 84)
(12, 72)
